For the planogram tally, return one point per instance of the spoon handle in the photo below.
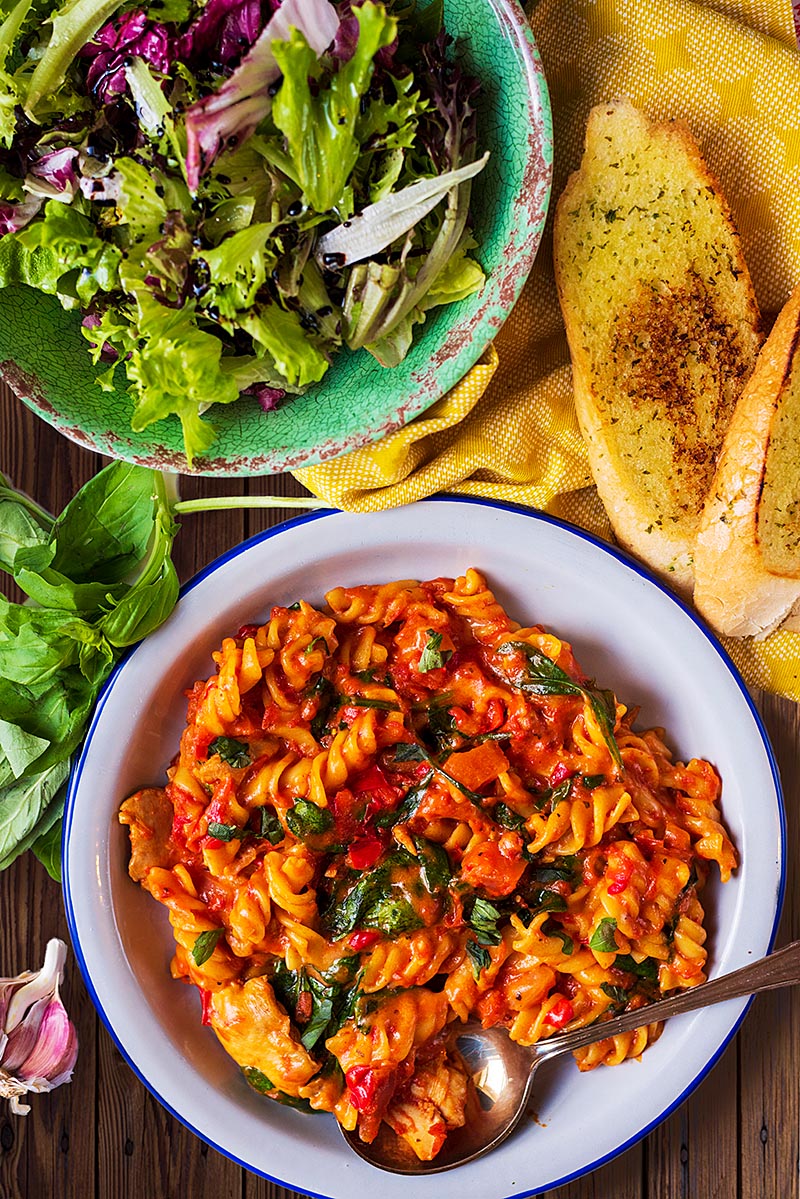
(780, 969)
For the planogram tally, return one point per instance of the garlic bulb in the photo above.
(38, 1044)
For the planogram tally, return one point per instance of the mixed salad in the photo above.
(231, 191)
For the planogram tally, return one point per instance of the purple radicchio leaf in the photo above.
(224, 31)
(268, 397)
(16, 216)
(128, 36)
(107, 353)
(229, 116)
(54, 174)
(346, 40)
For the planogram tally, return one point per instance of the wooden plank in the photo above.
(770, 1037)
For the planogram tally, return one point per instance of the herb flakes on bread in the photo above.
(662, 324)
(747, 557)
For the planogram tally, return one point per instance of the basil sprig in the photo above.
(235, 753)
(433, 657)
(540, 675)
(205, 944)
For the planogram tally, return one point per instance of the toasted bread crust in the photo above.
(734, 590)
(662, 325)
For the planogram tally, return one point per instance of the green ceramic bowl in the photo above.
(44, 359)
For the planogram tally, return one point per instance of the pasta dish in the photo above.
(406, 810)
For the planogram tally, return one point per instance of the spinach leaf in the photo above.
(507, 817)
(393, 914)
(433, 657)
(259, 1082)
(306, 819)
(410, 802)
(540, 675)
(602, 939)
(365, 701)
(435, 866)
(235, 753)
(563, 869)
(323, 690)
(205, 944)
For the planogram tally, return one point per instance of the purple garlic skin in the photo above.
(38, 1043)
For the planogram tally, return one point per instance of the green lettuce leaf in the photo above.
(92, 262)
(320, 129)
(280, 335)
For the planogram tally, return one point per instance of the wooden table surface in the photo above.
(105, 1137)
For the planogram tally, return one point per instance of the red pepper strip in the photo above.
(205, 999)
(560, 1013)
(364, 853)
(362, 1083)
(560, 772)
(213, 843)
(620, 877)
(364, 938)
(377, 784)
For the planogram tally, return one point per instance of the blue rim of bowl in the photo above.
(624, 560)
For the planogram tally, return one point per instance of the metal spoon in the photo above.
(502, 1071)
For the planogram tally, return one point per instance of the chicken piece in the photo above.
(257, 1033)
(148, 814)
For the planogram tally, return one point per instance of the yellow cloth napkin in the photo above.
(731, 69)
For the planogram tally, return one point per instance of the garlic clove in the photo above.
(41, 985)
(22, 1039)
(38, 1043)
(52, 1048)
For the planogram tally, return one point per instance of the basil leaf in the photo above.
(591, 781)
(433, 657)
(482, 919)
(270, 826)
(24, 806)
(480, 958)
(541, 899)
(313, 643)
(602, 939)
(365, 701)
(306, 819)
(551, 929)
(205, 945)
(226, 832)
(618, 995)
(235, 753)
(47, 846)
(20, 748)
(648, 968)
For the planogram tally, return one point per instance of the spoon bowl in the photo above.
(502, 1072)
